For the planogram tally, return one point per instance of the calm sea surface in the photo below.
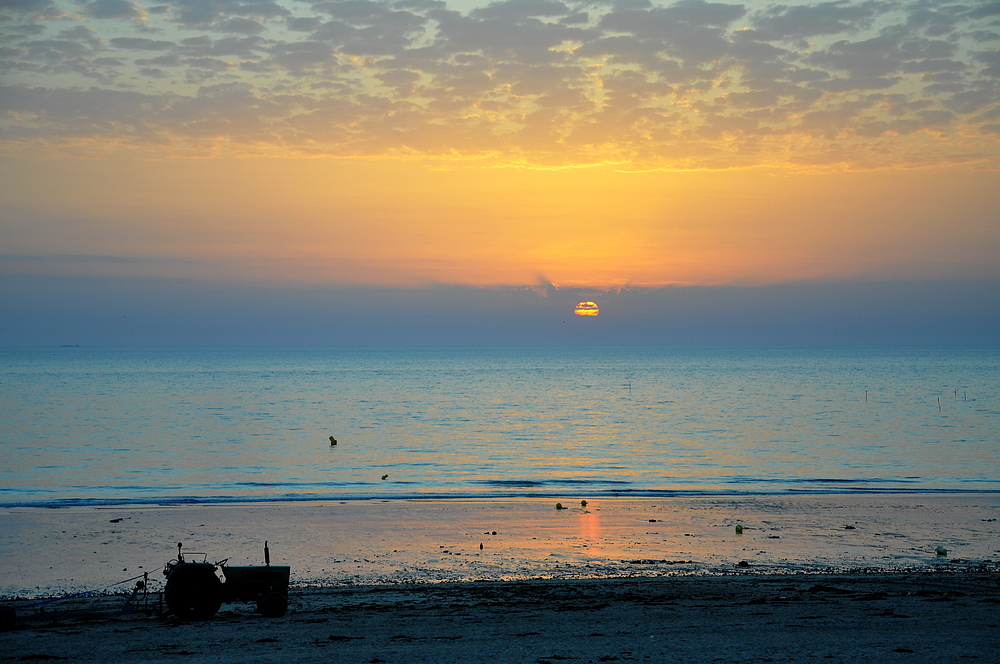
(91, 426)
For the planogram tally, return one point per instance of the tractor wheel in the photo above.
(8, 619)
(272, 605)
(193, 592)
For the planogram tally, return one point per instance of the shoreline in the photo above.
(209, 501)
(925, 617)
(396, 542)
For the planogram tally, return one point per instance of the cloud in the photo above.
(213, 14)
(521, 9)
(242, 25)
(164, 312)
(984, 10)
(82, 112)
(141, 44)
(506, 36)
(692, 31)
(170, 60)
(992, 61)
(879, 56)
(24, 29)
(37, 8)
(113, 9)
(81, 258)
(241, 47)
(304, 57)
(675, 84)
(782, 22)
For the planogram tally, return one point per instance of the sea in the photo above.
(99, 426)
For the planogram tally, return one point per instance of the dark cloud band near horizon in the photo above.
(687, 84)
(45, 310)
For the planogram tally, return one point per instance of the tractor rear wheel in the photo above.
(193, 591)
(8, 619)
(272, 605)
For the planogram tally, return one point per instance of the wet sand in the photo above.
(922, 617)
(53, 552)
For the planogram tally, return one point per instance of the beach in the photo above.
(49, 552)
(925, 617)
(845, 576)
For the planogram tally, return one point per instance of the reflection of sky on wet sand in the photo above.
(367, 542)
(590, 526)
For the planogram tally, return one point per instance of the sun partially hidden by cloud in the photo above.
(587, 309)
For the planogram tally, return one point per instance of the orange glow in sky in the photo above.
(506, 143)
(390, 222)
(587, 309)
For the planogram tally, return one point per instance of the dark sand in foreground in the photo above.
(923, 617)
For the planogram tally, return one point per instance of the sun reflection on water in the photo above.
(590, 528)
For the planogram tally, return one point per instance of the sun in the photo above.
(587, 309)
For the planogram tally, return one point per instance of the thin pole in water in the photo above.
(939, 404)
(866, 396)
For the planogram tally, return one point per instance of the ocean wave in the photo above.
(179, 501)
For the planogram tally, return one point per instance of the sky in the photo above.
(413, 171)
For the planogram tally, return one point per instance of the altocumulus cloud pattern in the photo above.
(642, 84)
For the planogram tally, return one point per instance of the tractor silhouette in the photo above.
(194, 590)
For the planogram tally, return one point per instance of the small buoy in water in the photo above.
(583, 503)
(941, 551)
(559, 506)
(333, 441)
(480, 546)
(386, 476)
(739, 530)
